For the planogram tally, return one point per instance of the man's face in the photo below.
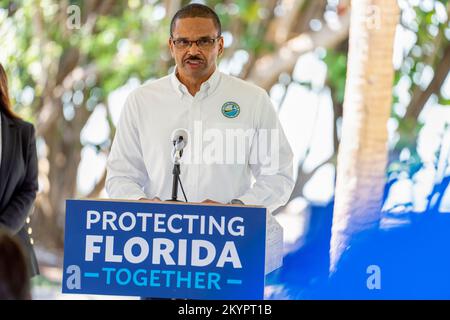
(195, 62)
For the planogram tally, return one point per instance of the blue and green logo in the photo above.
(231, 109)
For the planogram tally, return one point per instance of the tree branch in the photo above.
(268, 68)
(48, 109)
(419, 100)
(281, 27)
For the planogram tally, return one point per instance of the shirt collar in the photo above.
(207, 87)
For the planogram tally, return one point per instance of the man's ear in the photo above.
(170, 44)
(221, 46)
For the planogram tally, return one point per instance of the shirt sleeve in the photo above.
(126, 172)
(270, 161)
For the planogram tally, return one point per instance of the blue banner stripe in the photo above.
(91, 274)
(234, 281)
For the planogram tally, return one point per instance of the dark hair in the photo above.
(196, 10)
(5, 103)
(14, 276)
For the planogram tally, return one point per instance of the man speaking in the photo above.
(235, 150)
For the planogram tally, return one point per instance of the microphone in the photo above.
(179, 139)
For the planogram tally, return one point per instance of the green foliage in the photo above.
(337, 68)
(426, 52)
(410, 166)
(430, 42)
(126, 42)
(132, 42)
(443, 101)
(408, 129)
(42, 281)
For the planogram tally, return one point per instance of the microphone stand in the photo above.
(176, 174)
(176, 171)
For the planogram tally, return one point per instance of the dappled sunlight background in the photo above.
(72, 84)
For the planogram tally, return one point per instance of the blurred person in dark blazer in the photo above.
(14, 278)
(18, 173)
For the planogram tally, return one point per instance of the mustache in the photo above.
(193, 58)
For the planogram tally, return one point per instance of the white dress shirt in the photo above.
(140, 163)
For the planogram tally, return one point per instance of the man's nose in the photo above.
(193, 49)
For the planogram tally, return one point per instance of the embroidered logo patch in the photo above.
(231, 109)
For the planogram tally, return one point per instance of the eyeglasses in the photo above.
(202, 43)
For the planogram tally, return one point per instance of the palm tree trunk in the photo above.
(362, 153)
